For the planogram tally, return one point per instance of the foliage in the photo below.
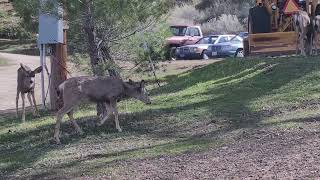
(148, 45)
(223, 25)
(220, 22)
(96, 27)
(184, 14)
(214, 9)
(10, 26)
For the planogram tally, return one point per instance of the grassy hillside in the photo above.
(196, 111)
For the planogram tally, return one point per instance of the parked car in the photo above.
(182, 35)
(199, 50)
(232, 48)
(243, 34)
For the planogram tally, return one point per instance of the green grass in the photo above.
(195, 111)
(27, 47)
(3, 62)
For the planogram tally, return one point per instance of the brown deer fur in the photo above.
(25, 85)
(316, 29)
(301, 23)
(108, 90)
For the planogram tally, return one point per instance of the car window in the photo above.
(213, 39)
(236, 39)
(193, 32)
(230, 37)
(178, 31)
(205, 40)
(223, 39)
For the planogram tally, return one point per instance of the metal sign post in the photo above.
(42, 57)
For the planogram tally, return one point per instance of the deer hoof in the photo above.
(119, 130)
(57, 140)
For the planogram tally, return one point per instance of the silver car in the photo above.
(199, 50)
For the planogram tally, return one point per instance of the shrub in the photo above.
(223, 25)
(186, 14)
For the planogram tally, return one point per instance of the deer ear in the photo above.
(23, 67)
(38, 70)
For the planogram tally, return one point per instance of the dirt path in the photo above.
(8, 79)
(260, 154)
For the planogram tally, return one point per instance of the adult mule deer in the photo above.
(25, 85)
(302, 24)
(316, 31)
(108, 90)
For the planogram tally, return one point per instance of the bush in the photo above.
(16, 32)
(223, 25)
(186, 14)
(145, 45)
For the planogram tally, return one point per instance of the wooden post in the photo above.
(58, 71)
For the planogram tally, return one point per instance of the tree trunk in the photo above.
(88, 26)
(58, 72)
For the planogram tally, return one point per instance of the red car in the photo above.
(183, 35)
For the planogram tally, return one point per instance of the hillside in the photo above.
(252, 118)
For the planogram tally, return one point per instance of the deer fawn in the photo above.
(25, 85)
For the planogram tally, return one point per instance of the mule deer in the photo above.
(316, 31)
(108, 90)
(25, 85)
(302, 22)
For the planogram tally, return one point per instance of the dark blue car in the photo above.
(232, 48)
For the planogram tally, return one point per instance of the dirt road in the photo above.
(8, 79)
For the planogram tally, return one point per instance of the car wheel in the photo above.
(204, 55)
(173, 56)
(239, 53)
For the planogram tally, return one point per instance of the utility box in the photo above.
(50, 29)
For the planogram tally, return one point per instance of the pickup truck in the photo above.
(182, 35)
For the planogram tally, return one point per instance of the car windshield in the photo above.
(236, 39)
(207, 40)
(178, 30)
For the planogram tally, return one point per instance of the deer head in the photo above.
(27, 80)
(316, 23)
(138, 91)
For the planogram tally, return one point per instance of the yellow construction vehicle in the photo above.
(270, 26)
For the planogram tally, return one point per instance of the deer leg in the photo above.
(60, 114)
(109, 110)
(75, 125)
(23, 108)
(315, 41)
(31, 104)
(297, 40)
(17, 104)
(116, 117)
(35, 105)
